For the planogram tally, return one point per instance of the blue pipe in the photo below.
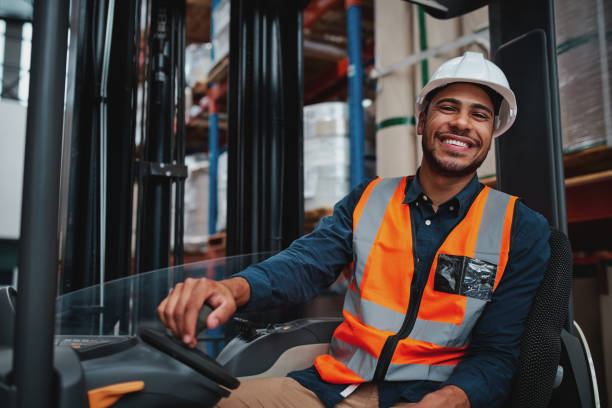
(355, 94)
(213, 157)
(215, 4)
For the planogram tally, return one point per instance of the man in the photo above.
(444, 270)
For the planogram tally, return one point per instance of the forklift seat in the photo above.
(541, 343)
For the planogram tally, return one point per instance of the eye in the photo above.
(447, 108)
(481, 116)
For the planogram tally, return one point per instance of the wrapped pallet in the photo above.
(222, 192)
(196, 202)
(327, 162)
(584, 48)
(326, 154)
(220, 22)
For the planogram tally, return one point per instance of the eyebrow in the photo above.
(458, 102)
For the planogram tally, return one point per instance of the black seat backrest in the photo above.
(541, 342)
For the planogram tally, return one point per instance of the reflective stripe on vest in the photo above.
(375, 307)
(367, 227)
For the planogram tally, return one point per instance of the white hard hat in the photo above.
(473, 67)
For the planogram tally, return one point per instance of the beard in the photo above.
(450, 168)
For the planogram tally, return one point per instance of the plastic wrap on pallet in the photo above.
(220, 20)
(196, 202)
(221, 45)
(327, 163)
(326, 154)
(582, 83)
(220, 16)
(198, 62)
(222, 192)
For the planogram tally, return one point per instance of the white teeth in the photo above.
(456, 142)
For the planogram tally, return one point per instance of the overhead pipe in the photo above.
(38, 257)
(355, 91)
(404, 63)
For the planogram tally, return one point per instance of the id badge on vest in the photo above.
(465, 276)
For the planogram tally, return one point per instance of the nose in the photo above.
(460, 120)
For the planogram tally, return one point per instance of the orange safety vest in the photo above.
(394, 330)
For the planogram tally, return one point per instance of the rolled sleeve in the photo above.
(486, 372)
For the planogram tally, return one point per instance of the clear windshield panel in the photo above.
(121, 306)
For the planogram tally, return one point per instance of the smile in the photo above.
(456, 143)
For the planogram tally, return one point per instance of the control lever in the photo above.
(202, 316)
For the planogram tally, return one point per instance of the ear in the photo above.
(421, 123)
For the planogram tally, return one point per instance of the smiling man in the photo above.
(444, 271)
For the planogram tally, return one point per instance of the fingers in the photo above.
(224, 307)
(188, 306)
(160, 311)
(200, 293)
(179, 311)
(167, 314)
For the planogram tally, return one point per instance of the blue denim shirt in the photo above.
(313, 262)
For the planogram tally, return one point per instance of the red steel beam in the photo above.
(316, 9)
(590, 201)
(209, 101)
(335, 74)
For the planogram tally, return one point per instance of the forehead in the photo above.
(466, 93)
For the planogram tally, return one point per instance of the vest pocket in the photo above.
(462, 275)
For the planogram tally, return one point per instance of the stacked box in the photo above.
(197, 63)
(196, 202)
(327, 163)
(582, 83)
(326, 154)
(222, 192)
(220, 32)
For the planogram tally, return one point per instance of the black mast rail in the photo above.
(38, 258)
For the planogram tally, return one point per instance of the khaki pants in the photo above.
(285, 392)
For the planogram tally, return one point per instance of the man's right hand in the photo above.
(179, 310)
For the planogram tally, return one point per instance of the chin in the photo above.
(451, 168)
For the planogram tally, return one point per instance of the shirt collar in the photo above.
(463, 199)
(413, 189)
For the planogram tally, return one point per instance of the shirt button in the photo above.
(417, 204)
(451, 208)
(427, 222)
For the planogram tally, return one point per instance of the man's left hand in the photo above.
(449, 396)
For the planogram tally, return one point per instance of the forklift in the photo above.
(98, 344)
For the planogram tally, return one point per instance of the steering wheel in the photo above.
(194, 358)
